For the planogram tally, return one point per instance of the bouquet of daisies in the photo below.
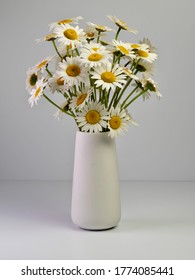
(93, 76)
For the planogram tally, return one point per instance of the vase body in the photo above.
(95, 192)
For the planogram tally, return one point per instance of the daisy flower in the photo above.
(90, 32)
(99, 28)
(59, 113)
(94, 47)
(135, 46)
(144, 66)
(37, 92)
(69, 35)
(121, 24)
(124, 48)
(79, 101)
(48, 37)
(72, 71)
(74, 20)
(32, 77)
(108, 77)
(118, 122)
(148, 83)
(93, 58)
(93, 117)
(42, 64)
(56, 83)
(144, 53)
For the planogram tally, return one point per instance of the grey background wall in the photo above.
(35, 146)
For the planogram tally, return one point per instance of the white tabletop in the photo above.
(158, 222)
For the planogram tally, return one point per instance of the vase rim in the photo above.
(93, 133)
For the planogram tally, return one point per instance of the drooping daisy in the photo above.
(93, 117)
(65, 21)
(93, 58)
(79, 101)
(48, 37)
(121, 24)
(124, 48)
(150, 85)
(118, 122)
(59, 113)
(108, 77)
(72, 71)
(100, 28)
(32, 77)
(40, 66)
(144, 66)
(36, 92)
(56, 83)
(70, 35)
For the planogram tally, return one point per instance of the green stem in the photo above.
(123, 90)
(127, 63)
(77, 52)
(48, 72)
(112, 100)
(53, 103)
(98, 38)
(54, 44)
(137, 96)
(95, 95)
(131, 93)
(135, 65)
(105, 98)
(117, 33)
(100, 94)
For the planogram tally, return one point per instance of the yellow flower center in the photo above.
(92, 117)
(95, 57)
(64, 21)
(70, 34)
(33, 79)
(135, 46)
(115, 122)
(142, 53)
(37, 91)
(50, 37)
(90, 34)
(73, 70)
(123, 50)
(108, 77)
(42, 64)
(95, 49)
(101, 28)
(60, 81)
(81, 98)
(121, 24)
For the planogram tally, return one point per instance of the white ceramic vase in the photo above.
(95, 192)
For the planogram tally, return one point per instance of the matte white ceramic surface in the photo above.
(95, 194)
